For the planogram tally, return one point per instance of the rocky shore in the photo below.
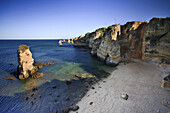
(135, 87)
(145, 41)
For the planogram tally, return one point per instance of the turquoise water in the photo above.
(20, 96)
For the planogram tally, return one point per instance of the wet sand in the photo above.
(141, 82)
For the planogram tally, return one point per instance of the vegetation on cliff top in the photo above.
(101, 30)
(23, 48)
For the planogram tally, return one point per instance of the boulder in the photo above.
(166, 82)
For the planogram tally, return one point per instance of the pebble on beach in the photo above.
(91, 103)
(124, 96)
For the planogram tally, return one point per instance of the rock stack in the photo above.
(26, 68)
(68, 41)
(60, 43)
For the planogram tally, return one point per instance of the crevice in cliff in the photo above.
(154, 40)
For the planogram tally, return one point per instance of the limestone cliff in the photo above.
(134, 40)
(80, 41)
(157, 41)
(131, 40)
(95, 35)
(109, 49)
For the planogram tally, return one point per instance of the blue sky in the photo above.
(56, 19)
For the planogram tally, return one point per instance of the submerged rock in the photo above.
(68, 81)
(40, 65)
(10, 78)
(54, 87)
(11, 64)
(74, 108)
(67, 98)
(34, 89)
(66, 110)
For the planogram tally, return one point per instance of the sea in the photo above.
(51, 93)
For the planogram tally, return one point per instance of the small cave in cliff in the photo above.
(106, 58)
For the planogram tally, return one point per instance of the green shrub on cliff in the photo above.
(23, 48)
(101, 30)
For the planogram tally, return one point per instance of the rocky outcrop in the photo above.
(157, 41)
(109, 49)
(60, 43)
(26, 68)
(95, 35)
(68, 41)
(95, 46)
(135, 40)
(81, 41)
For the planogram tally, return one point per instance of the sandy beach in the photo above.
(141, 82)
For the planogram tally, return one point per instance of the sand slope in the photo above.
(141, 82)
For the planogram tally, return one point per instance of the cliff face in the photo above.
(95, 35)
(81, 41)
(109, 49)
(95, 46)
(157, 41)
(131, 40)
(134, 40)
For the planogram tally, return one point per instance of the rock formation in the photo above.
(60, 43)
(131, 40)
(109, 49)
(95, 35)
(71, 41)
(134, 40)
(26, 68)
(68, 41)
(81, 41)
(166, 82)
(157, 41)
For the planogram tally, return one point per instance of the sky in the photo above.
(62, 19)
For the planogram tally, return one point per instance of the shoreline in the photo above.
(142, 83)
